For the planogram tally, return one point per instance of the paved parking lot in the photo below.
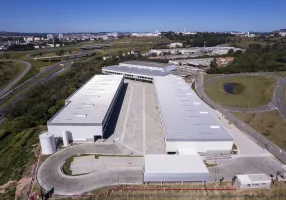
(228, 168)
(88, 164)
(136, 119)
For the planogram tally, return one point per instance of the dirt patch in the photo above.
(7, 185)
(22, 186)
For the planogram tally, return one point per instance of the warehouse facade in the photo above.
(140, 70)
(87, 111)
(174, 168)
(187, 122)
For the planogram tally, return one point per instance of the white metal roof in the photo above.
(135, 71)
(89, 104)
(144, 63)
(184, 116)
(162, 163)
(253, 178)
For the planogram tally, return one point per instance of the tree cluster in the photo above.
(200, 39)
(257, 58)
(21, 47)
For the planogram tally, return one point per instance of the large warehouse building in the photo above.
(174, 168)
(86, 113)
(187, 122)
(140, 70)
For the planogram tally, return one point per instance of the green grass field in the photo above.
(255, 91)
(270, 124)
(9, 71)
(245, 44)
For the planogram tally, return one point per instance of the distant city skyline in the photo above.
(131, 16)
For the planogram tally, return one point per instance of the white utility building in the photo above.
(48, 145)
(175, 45)
(140, 70)
(86, 113)
(187, 122)
(250, 181)
(174, 168)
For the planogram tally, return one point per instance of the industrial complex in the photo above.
(195, 50)
(140, 70)
(169, 129)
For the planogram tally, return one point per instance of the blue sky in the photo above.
(141, 15)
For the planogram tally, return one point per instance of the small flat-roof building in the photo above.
(250, 181)
(186, 120)
(140, 70)
(87, 111)
(174, 168)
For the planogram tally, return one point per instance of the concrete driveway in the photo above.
(50, 175)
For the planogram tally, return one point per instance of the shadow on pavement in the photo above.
(115, 113)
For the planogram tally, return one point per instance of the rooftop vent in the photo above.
(81, 115)
(88, 105)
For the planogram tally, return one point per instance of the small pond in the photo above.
(234, 88)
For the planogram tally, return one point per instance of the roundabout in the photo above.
(241, 91)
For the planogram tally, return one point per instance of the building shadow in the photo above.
(115, 113)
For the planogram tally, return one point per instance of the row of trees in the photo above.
(267, 58)
(24, 47)
(199, 39)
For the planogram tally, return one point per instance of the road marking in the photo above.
(127, 112)
(140, 153)
(144, 138)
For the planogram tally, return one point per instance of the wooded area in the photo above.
(200, 39)
(257, 58)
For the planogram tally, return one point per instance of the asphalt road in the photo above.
(72, 56)
(32, 83)
(8, 87)
(276, 101)
(50, 174)
(22, 85)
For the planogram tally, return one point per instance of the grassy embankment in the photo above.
(9, 71)
(270, 124)
(250, 91)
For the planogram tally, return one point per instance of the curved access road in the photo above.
(276, 101)
(8, 87)
(50, 174)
